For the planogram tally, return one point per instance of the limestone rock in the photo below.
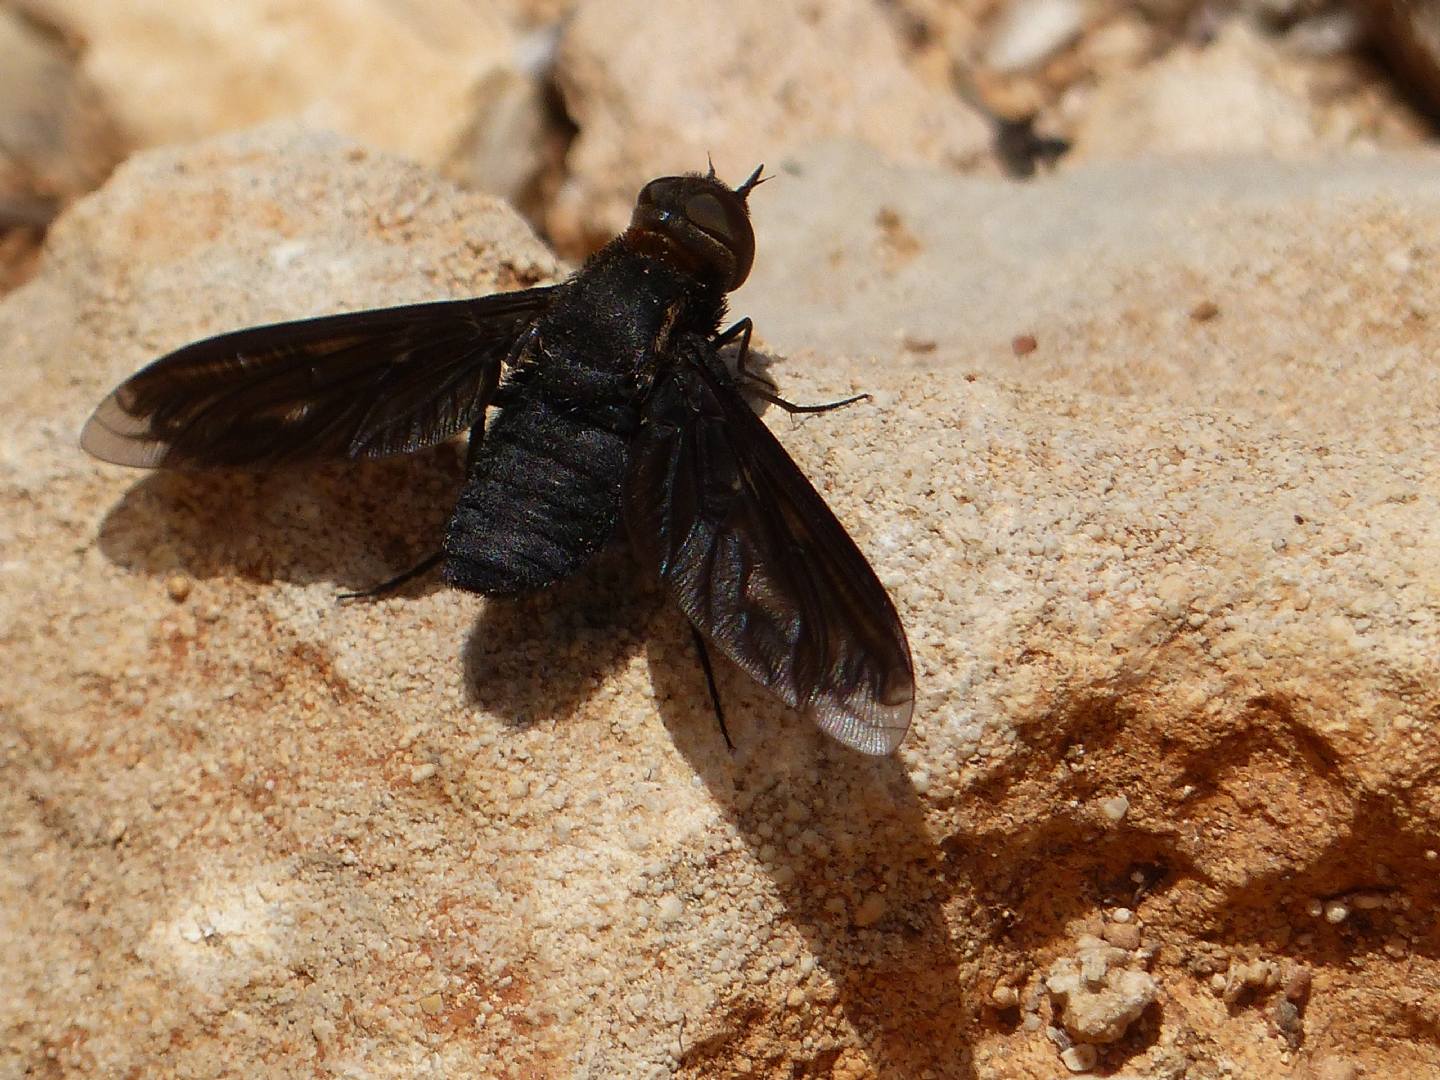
(439, 81)
(1233, 96)
(1031, 30)
(1100, 997)
(1142, 281)
(249, 829)
(55, 139)
(655, 88)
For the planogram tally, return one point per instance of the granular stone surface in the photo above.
(1168, 574)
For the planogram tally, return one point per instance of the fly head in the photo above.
(700, 223)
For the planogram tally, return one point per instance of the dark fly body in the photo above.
(609, 407)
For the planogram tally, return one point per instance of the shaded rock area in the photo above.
(509, 832)
(1151, 467)
(56, 139)
(451, 83)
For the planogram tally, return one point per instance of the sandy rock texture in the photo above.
(1174, 640)
(1145, 280)
(443, 81)
(655, 88)
(56, 140)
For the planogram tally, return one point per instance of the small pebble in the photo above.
(1286, 1016)
(1024, 344)
(1029, 31)
(432, 1004)
(1122, 915)
(1080, 1058)
(420, 773)
(1297, 984)
(1122, 935)
(1115, 808)
(1204, 311)
(178, 586)
(1336, 911)
(870, 910)
(1004, 996)
(671, 909)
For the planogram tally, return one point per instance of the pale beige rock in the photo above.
(1231, 96)
(1029, 31)
(55, 140)
(251, 830)
(439, 81)
(1147, 280)
(1099, 996)
(654, 88)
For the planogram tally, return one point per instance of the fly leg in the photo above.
(742, 330)
(710, 682)
(385, 588)
(791, 408)
(766, 390)
(425, 565)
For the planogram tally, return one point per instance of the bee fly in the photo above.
(611, 403)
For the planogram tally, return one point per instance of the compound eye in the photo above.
(726, 221)
(706, 212)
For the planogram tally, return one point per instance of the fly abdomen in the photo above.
(542, 498)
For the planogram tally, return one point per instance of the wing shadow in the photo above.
(859, 832)
(352, 524)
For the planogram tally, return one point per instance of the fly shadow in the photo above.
(348, 524)
(353, 524)
(844, 840)
(537, 657)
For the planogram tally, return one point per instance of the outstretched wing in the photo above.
(759, 564)
(359, 385)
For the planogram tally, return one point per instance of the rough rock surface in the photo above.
(1175, 651)
(1142, 280)
(655, 88)
(439, 81)
(56, 141)
(1100, 996)
(1236, 95)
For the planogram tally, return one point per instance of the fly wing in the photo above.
(359, 385)
(759, 564)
